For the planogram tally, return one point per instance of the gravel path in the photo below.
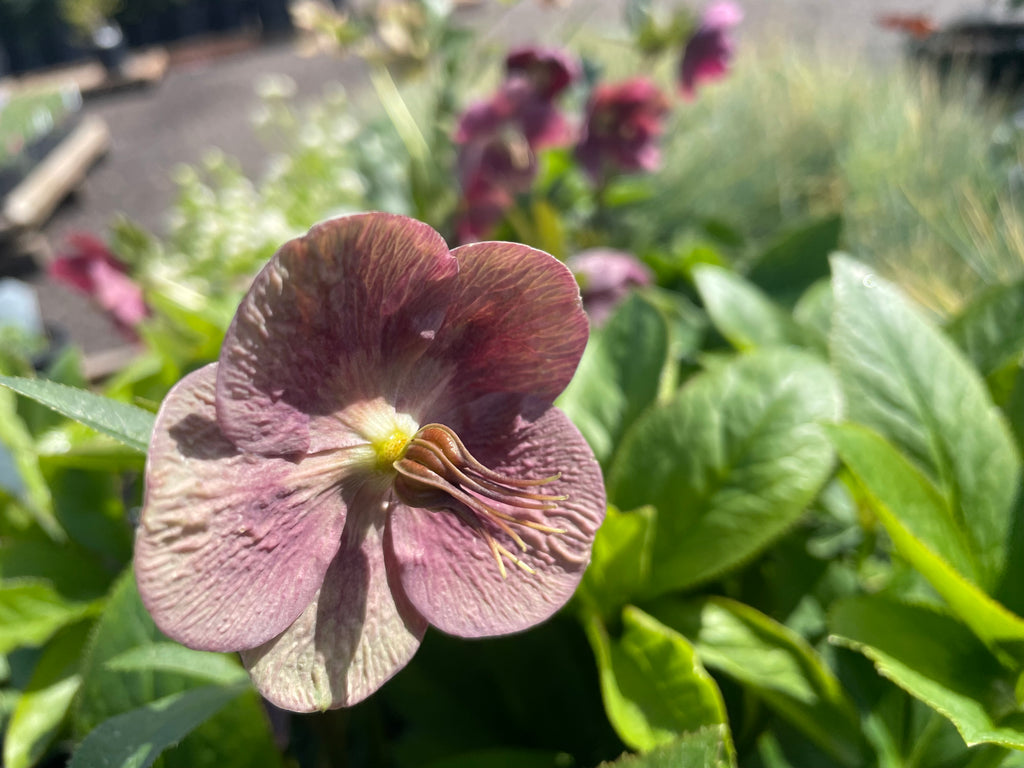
(208, 104)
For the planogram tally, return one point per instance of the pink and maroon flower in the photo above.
(623, 124)
(374, 452)
(88, 266)
(549, 71)
(709, 52)
(606, 277)
(498, 141)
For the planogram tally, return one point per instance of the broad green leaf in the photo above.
(121, 421)
(742, 313)
(776, 664)
(924, 531)
(653, 685)
(44, 704)
(619, 374)
(620, 562)
(31, 612)
(730, 463)
(27, 482)
(901, 377)
(989, 330)
(908, 496)
(237, 736)
(136, 738)
(171, 657)
(798, 258)
(813, 315)
(935, 659)
(704, 748)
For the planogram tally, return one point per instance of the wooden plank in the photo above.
(33, 201)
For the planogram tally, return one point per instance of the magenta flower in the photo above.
(606, 277)
(623, 124)
(549, 71)
(89, 267)
(709, 52)
(374, 452)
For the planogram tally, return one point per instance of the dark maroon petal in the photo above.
(448, 570)
(339, 316)
(356, 633)
(231, 547)
(516, 324)
(549, 70)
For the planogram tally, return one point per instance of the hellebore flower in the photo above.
(548, 70)
(497, 144)
(89, 267)
(623, 123)
(709, 51)
(606, 276)
(375, 451)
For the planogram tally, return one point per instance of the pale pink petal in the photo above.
(516, 324)
(448, 570)
(339, 316)
(230, 547)
(355, 634)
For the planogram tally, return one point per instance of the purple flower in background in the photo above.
(88, 266)
(709, 51)
(497, 144)
(549, 71)
(374, 452)
(623, 123)
(606, 276)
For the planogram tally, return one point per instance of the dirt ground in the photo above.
(207, 101)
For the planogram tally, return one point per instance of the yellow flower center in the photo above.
(390, 449)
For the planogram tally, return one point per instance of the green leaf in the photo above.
(31, 612)
(905, 380)
(170, 657)
(126, 423)
(776, 664)
(935, 659)
(924, 531)
(705, 748)
(730, 463)
(136, 738)
(798, 258)
(505, 758)
(28, 484)
(989, 330)
(619, 374)
(813, 315)
(44, 704)
(237, 736)
(620, 562)
(653, 685)
(742, 313)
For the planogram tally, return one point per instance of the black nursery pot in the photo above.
(990, 50)
(109, 47)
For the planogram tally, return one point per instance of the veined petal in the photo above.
(231, 547)
(355, 634)
(448, 570)
(516, 323)
(337, 316)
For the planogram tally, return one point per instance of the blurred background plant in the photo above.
(813, 547)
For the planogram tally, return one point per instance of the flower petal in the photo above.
(448, 570)
(354, 635)
(337, 316)
(231, 547)
(516, 323)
